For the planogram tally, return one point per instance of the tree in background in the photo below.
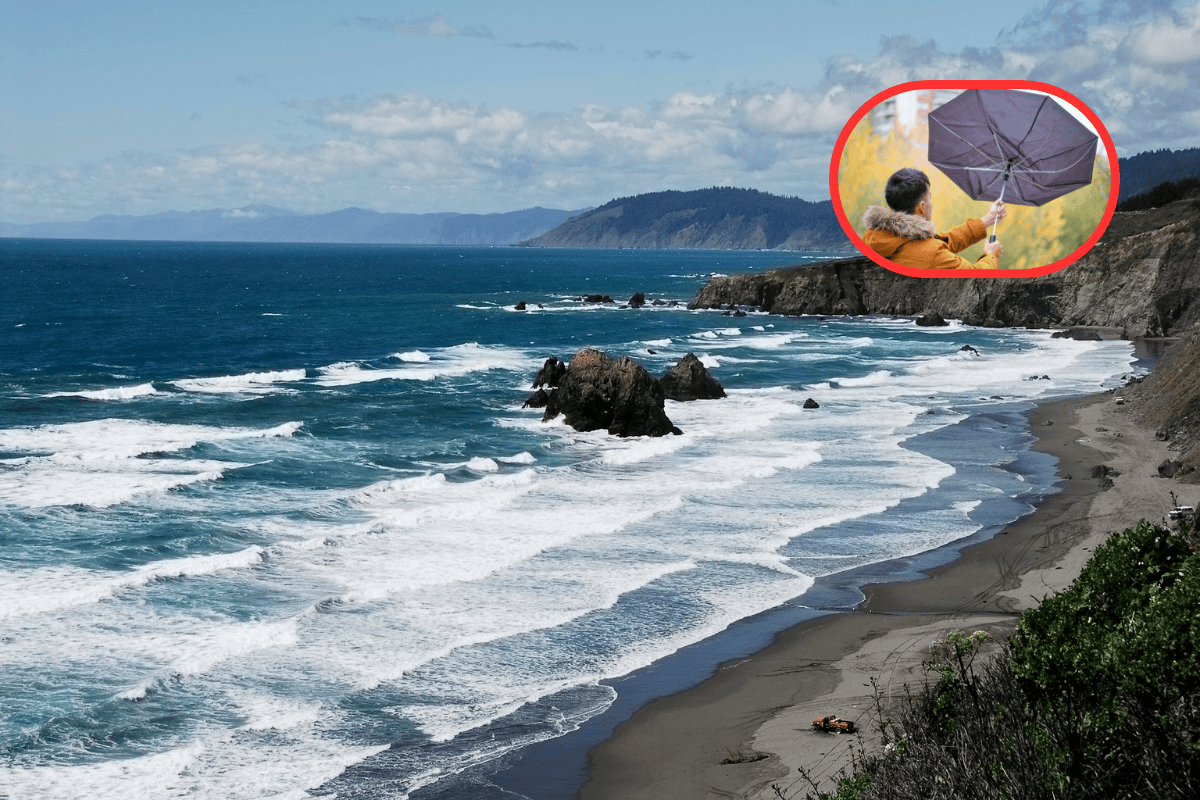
(1032, 236)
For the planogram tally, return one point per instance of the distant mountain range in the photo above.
(269, 224)
(716, 218)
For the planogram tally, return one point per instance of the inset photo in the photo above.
(974, 179)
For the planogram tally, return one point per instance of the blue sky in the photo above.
(138, 107)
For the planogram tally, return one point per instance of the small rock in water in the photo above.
(690, 380)
(810, 403)
(550, 374)
(538, 399)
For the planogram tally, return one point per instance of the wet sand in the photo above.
(763, 705)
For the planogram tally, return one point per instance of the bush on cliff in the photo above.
(1097, 695)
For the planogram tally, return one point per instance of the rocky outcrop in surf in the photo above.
(550, 374)
(617, 395)
(1142, 279)
(689, 379)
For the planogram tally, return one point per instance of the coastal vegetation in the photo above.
(1096, 695)
(1141, 172)
(1160, 195)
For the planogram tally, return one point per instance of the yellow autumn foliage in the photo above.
(1032, 236)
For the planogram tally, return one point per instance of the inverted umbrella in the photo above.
(992, 141)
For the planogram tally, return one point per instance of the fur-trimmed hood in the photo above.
(913, 241)
(910, 226)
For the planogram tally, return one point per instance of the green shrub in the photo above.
(1097, 695)
(1129, 626)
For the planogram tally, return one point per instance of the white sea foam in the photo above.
(450, 362)
(413, 356)
(520, 458)
(877, 378)
(492, 589)
(25, 593)
(105, 462)
(640, 449)
(117, 393)
(218, 765)
(248, 383)
(480, 464)
(1072, 367)
(774, 341)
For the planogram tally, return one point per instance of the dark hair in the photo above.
(905, 189)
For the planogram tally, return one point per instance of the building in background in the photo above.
(930, 99)
(909, 108)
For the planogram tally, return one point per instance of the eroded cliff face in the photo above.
(1141, 278)
(1168, 400)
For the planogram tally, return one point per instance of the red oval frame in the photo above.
(1079, 252)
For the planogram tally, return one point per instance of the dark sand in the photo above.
(672, 748)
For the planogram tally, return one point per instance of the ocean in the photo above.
(274, 523)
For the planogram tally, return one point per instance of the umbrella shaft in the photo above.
(996, 222)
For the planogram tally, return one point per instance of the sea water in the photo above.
(274, 522)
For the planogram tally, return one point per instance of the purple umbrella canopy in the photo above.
(1004, 143)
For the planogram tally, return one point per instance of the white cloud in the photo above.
(1136, 65)
(437, 25)
(1168, 41)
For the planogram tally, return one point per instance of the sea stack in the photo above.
(617, 395)
(690, 380)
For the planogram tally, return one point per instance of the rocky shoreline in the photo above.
(1140, 280)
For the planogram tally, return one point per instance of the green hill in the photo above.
(716, 218)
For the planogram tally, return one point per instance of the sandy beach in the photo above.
(674, 746)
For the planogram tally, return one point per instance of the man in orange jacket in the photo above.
(905, 234)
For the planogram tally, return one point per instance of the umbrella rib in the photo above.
(973, 169)
(999, 149)
(991, 184)
(1033, 124)
(1082, 156)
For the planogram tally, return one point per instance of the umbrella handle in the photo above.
(1003, 186)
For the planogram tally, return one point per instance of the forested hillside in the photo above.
(720, 217)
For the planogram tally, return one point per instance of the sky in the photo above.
(137, 107)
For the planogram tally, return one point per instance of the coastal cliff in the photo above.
(1141, 278)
